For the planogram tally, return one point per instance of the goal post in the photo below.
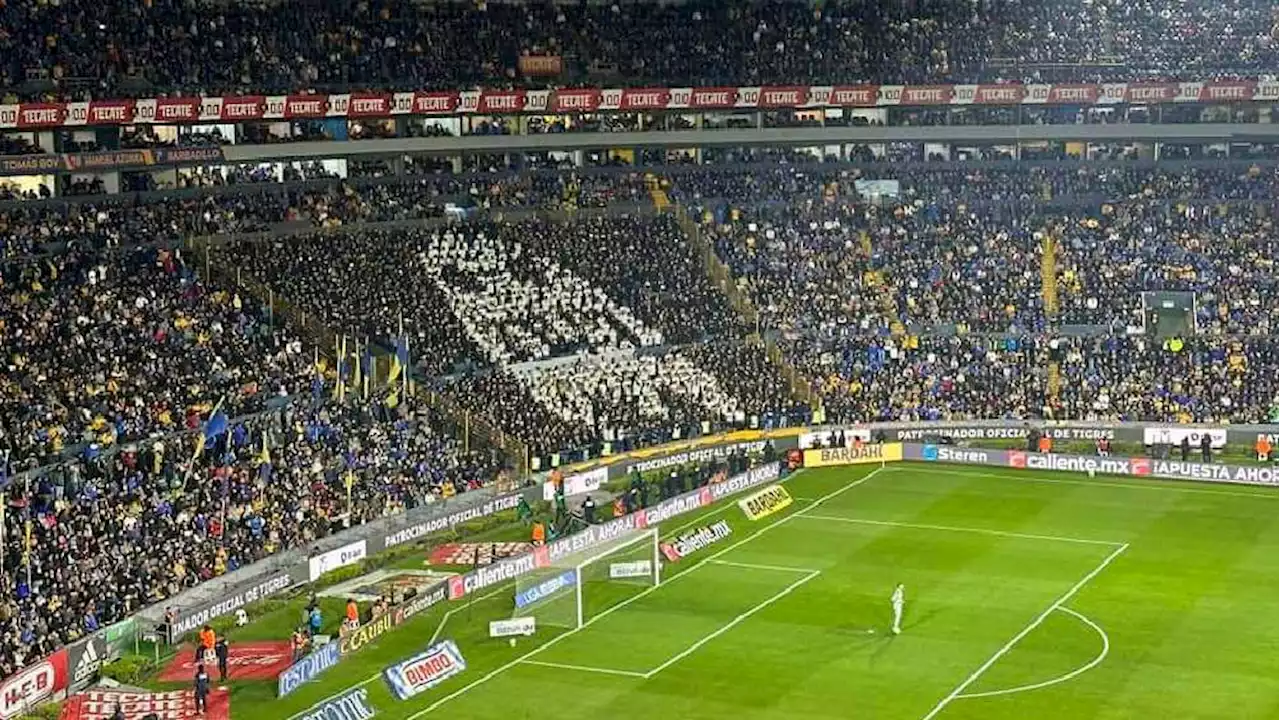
(579, 585)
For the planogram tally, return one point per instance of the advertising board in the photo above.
(425, 670)
(348, 554)
(856, 455)
(308, 668)
(765, 502)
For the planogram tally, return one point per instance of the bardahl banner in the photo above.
(765, 502)
(250, 108)
(855, 455)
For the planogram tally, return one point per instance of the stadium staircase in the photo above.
(1049, 290)
(722, 278)
(654, 184)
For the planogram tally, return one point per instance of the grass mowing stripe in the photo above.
(733, 623)
(1025, 631)
(1102, 655)
(949, 528)
(503, 668)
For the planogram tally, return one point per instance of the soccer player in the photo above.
(899, 599)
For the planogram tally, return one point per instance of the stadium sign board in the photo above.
(354, 705)
(308, 668)
(425, 670)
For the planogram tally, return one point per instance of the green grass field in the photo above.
(1028, 596)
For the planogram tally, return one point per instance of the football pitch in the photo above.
(1029, 595)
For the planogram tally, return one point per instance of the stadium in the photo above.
(411, 359)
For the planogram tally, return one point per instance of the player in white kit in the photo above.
(899, 600)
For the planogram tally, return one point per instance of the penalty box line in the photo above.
(959, 691)
(952, 528)
(809, 574)
(557, 639)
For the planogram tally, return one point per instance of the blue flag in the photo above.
(216, 425)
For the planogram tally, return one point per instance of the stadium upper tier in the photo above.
(123, 48)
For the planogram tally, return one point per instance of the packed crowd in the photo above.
(501, 305)
(117, 47)
(115, 531)
(101, 349)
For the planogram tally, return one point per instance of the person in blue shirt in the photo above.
(314, 620)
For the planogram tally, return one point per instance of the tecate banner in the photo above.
(352, 706)
(425, 670)
(546, 588)
(308, 668)
(514, 626)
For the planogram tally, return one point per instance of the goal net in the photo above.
(583, 584)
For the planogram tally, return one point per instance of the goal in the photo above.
(583, 584)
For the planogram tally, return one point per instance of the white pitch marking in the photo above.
(948, 528)
(1106, 647)
(757, 566)
(503, 668)
(584, 668)
(1024, 632)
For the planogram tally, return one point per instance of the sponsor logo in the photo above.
(887, 452)
(42, 681)
(1175, 435)
(352, 706)
(1215, 473)
(698, 456)
(514, 626)
(577, 484)
(930, 453)
(431, 596)
(235, 601)
(425, 670)
(174, 705)
(332, 560)
(1017, 459)
(308, 668)
(946, 454)
(245, 661)
(365, 634)
(692, 542)
(444, 522)
(89, 662)
(639, 568)
(1141, 466)
(765, 502)
(546, 588)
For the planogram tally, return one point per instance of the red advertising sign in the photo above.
(177, 705)
(306, 106)
(177, 110)
(575, 101)
(38, 683)
(501, 102)
(39, 115)
(110, 112)
(238, 109)
(432, 103)
(245, 661)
